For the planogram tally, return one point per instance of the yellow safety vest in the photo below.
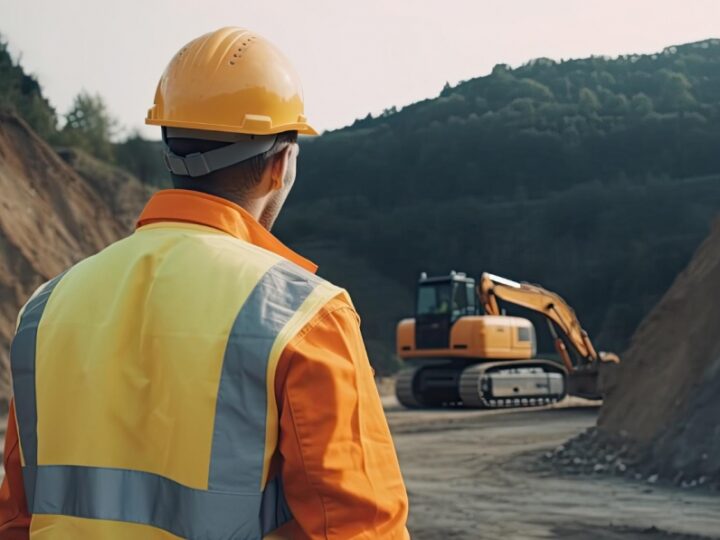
(144, 388)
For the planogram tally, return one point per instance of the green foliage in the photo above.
(90, 127)
(143, 158)
(543, 127)
(21, 94)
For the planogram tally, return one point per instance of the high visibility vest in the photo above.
(144, 388)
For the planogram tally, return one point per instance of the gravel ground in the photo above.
(484, 474)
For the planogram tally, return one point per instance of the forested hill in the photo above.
(595, 177)
(542, 127)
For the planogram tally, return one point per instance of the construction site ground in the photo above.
(476, 475)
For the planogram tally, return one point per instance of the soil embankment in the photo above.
(666, 398)
(50, 217)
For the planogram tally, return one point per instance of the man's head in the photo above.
(259, 184)
(231, 108)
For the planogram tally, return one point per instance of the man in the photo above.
(443, 306)
(196, 380)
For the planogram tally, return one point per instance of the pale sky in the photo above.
(354, 57)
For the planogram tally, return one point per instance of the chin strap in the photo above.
(201, 163)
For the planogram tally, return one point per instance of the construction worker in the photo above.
(196, 379)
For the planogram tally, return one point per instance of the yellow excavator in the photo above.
(458, 357)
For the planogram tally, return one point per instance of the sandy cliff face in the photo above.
(51, 216)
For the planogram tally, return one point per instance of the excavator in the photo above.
(458, 357)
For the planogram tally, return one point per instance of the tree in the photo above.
(676, 94)
(90, 127)
(588, 102)
(143, 158)
(21, 94)
(641, 105)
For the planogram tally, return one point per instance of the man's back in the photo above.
(144, 325)
(149, 371)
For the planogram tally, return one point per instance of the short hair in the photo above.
(236, 179)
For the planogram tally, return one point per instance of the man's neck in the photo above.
(252, 207)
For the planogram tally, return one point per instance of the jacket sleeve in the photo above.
(338, 463)
(14, 515)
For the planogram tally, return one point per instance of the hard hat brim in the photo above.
(301, 127)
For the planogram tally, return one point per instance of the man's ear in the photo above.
(278, 168)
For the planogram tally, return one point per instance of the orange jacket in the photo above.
(337, 461)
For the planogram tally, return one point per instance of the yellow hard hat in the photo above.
(231, 80)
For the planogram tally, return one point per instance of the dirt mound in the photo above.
(661, 417)
(50, 217)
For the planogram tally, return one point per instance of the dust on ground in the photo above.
(474, 475)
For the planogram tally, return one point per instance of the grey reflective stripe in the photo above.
(22, 363)
(238, 446)
(148, 499)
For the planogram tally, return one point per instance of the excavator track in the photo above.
(404, 388)
(429, 386)
(498, 385)
(491, 385)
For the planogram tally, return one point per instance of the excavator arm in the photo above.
(552, 306)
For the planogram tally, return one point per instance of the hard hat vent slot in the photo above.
(243, 45)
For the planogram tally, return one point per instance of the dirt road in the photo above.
(474, 475)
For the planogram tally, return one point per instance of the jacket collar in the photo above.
(218, 213)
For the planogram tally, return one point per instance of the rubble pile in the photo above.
(595, 453)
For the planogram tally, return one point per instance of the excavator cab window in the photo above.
(472, 307)
(459, 305)
(454, 297)
(434, 298)
(440, 302)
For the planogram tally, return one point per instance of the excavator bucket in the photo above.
(607, 376)
(593, 381)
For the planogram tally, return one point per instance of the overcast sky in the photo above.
(354, 57)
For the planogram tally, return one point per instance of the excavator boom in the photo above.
(551, 305)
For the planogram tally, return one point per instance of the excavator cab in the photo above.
(440, 302)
